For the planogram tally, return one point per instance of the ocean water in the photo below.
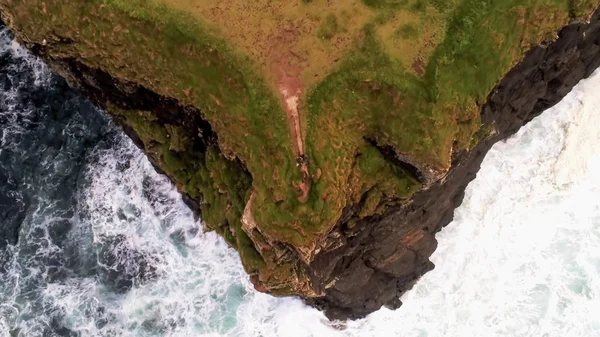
(106, 246)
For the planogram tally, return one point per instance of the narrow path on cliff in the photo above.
(290, 88)
(107, 247)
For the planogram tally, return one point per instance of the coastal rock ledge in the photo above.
(326, 142)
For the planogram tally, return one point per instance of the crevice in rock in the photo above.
(392, 156)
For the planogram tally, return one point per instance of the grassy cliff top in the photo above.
(304, 93)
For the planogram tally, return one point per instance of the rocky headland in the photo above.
(327, 143)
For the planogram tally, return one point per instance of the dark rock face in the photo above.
(382, 256)
(392, 251)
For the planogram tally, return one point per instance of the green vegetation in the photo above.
(407, 31)
(330, 27)
(581, 8)
(343, 111)
(371, 95)
(405, 74)
(385, 3)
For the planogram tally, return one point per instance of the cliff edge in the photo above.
(326, 142)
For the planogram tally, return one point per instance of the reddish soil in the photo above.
(419, 67)
(288, 69)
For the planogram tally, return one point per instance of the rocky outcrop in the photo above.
(385, 255)
(362, 262)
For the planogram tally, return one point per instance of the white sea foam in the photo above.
(583, 136)
(16, 119)
(40, 69)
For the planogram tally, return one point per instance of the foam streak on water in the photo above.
(522, 257)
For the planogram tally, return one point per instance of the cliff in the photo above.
(327, 143)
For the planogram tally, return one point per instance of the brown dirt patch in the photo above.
(287, 69)
(418, 67)
(266, 30)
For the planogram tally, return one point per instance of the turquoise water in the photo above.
(522, 257)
